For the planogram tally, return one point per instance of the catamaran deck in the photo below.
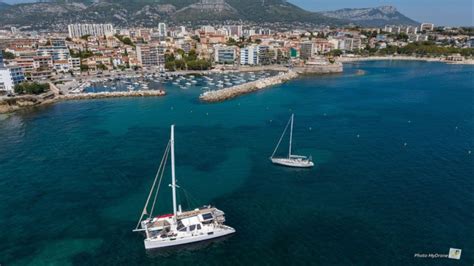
(195, 212)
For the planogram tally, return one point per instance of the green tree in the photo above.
(336, 52)
(31, 88)
(8, 55)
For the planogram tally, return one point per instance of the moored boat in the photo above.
(297, 161)
(180, 227)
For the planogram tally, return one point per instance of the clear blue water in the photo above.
(394, 176)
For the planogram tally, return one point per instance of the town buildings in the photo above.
(79, 30)
(427, 27)
(162, 32)
(151, 56)
(9, 77)
(225, 54)
(249, 55)
(93, 48)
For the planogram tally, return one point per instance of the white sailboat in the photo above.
(180, 227)
(292, 160)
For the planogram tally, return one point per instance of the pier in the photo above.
(232, 92)
(288, 74)
(99, 95)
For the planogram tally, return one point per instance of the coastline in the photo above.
(403, 58)
(13, 104)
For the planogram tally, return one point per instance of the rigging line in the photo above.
(159, 184)
(191, 199)
(153, 186)
(281, 138)
(188, 202)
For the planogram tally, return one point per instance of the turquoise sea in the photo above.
(394, 174)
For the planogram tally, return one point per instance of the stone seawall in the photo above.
(99, 95)
(232, 92)
(12, 104)
(319, 69)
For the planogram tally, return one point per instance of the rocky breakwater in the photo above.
(232, 92)
(99, 95)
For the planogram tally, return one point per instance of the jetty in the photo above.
(99, 95)
(286, 74)
(234, 91)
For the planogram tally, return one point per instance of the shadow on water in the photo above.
(186, 248)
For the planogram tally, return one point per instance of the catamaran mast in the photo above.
(173, 177)
(291, 135)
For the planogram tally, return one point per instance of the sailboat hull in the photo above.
(170, 242)
(292, 162)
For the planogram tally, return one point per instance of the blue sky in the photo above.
(440, 12)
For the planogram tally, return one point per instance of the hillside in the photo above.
(378, 16)
(4, 5)
(150, 12)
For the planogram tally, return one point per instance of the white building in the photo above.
(225, 54)
(74, 63)
(249, 55)
(9, 77)
(235, 30)
(56, 52)
(98, 30)
(162, 32)
(427, 27)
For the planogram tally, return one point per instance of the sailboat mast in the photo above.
(291, 135)
(173, 177)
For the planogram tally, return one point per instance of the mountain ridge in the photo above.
(150, 12)
(375, 16)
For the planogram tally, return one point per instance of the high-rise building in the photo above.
(306, 50)
(264, 56)
(235, 30)
(56, 52)
(249, 55)
(162, 32)
(225, 54)
(79, 30)
(9, 77)
(151, 56)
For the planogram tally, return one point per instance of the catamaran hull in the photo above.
(292, 163)
(154, 244)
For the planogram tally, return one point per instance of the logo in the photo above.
(454, 253)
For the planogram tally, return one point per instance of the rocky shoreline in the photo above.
(403, 58)
(12, 104)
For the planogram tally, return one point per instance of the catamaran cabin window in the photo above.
(207, 216)
(199, 227)
(181, 226)
(192, 227)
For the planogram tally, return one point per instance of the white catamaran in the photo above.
(179, 227)
(292, 160)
